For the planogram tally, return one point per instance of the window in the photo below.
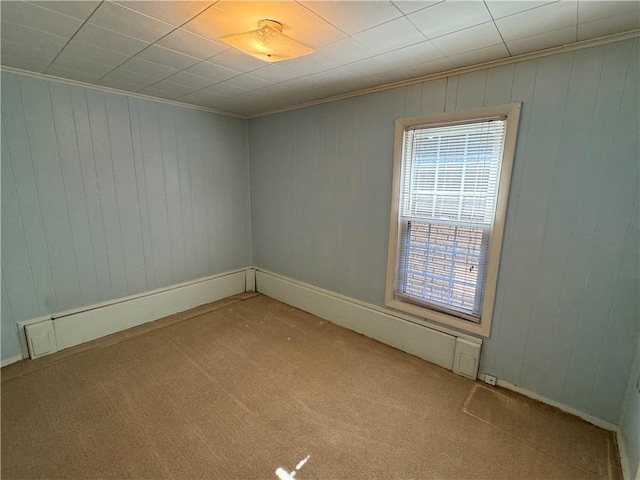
(450, 187)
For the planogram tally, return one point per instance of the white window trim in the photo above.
(512, 114)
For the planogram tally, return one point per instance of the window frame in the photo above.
(511, 114)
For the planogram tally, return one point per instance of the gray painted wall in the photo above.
(106, 195)
(566, 316)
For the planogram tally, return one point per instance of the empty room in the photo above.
(320, 239)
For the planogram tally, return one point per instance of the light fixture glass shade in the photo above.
(268, 43)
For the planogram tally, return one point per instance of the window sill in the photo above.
(482, 329)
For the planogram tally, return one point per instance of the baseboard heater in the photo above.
(450, 349)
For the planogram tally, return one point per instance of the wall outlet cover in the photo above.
(490, 379)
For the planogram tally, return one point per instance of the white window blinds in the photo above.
(448, 191)
(450, 173)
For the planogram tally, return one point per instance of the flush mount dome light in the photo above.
(268, 43)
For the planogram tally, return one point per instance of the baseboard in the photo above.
(10, 360)
(561, 406)
(81, 325)
(429, 344)
(627, 473)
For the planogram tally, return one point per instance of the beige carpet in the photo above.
(238, 388)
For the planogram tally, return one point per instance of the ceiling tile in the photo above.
(85, 77)
(254, 11)
(368, 66)
(237, 60)
(504, 8)
(411, 55)
(175, 89)
(34, 38)
(119, 84)
(249, 82)
(214, 72)
(343, 51)
(354, 16)
(334, 75)
(122, 77)
(608, 26)
(191, 80)
(173, 13)
(408, 6)
(473, 38)
(76, 9)
(225, 89)
(137, 65)
(33, 16)
(301, 84)
(592, 10)
(544, 40)
(81, 65)
(23, 54)
(155, 91)
(538, 20)
(275, 90)
(481, 55)
(23, 63)
(202, 97)
(392, 76)
(432, 66)
(274, 73)
(389, 36)
(189, 43)
(215, 23)
(449, 16)
(312, 30)
(306, 65)
(165, 56)
(109, 40)
(83, 51)
(122, 20)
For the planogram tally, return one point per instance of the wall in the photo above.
(630, 419)
(106, 195)
(566, 314)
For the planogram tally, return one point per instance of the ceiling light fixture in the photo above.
(268, 43)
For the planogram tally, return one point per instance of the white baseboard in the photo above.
(627, 473)
(561, 406)
(81, 325)
(10, 360)
(429, 344)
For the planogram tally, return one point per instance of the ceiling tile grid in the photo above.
(172, 49)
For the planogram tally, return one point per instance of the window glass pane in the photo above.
(444, 265)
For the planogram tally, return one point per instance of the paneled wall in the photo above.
(105, 195)
(566, 316)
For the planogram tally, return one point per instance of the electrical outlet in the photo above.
(490, 379)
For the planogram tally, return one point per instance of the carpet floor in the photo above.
(239, 388)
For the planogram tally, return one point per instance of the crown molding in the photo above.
(77, 83)
(617, 37)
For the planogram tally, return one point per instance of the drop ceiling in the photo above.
(171, 49)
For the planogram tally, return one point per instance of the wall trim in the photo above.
(616, 37)
(420, 340)
(565, 408)
(80, 325)
(102, 88)
(387, 311)
(10, 360)
(624, 459)
(387, 86)
(625, 462)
